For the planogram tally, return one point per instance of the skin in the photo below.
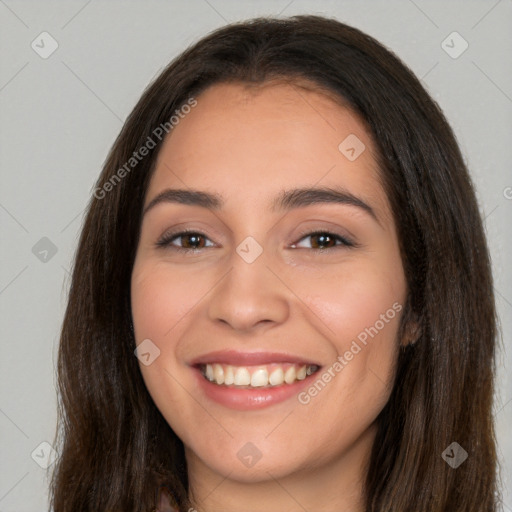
(249, 144)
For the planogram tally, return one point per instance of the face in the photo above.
(270, 316)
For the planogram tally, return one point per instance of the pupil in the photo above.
(194, 239)
(323, 239)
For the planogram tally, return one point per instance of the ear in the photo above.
(411, 332)
(411, 329)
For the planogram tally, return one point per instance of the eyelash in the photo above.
(165, 240)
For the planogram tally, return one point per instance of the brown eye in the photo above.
(324, 240)
(192, 241)
(189, 241)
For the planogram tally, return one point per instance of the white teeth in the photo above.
(209, 372)
(290, 375)
(242, 377)
(259, 378)
(301, 373)
(218, 373)
(229, 376)
(276, 377)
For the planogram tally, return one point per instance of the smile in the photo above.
(260, 376)
(251, 380)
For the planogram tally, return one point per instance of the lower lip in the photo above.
(249, 399)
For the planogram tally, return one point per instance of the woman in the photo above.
(282, 297)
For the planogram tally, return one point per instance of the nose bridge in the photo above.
(249, 293)
(249, 269)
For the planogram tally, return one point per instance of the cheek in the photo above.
(359, 297)
(160, 303)
(160, 300)
(360, 310)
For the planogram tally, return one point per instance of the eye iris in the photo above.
(195, 238)
(324, 239)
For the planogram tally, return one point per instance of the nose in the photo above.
(249, 296)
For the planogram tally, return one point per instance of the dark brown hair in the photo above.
(116, 449)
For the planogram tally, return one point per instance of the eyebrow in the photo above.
(285, 200)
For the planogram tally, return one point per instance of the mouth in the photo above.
(249, 381)
(257, 376)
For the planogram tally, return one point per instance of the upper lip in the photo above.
(235, 358)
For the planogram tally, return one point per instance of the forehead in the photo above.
(246, 143)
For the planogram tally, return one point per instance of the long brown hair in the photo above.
(116, 449)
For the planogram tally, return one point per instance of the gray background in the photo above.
(61, 114)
